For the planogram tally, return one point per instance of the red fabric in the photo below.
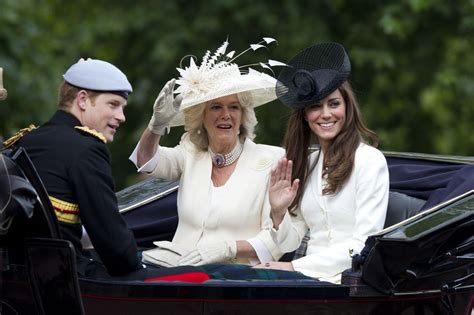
(186, 277)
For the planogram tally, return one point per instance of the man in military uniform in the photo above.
(73, 161)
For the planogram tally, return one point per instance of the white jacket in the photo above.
(242, 214)
(341, 222)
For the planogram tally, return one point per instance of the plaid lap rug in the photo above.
(244, 272)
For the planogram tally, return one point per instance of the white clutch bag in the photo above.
(166, 254)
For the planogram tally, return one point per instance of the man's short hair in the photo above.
(67, 94)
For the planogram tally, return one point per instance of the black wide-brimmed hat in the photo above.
(313, 74)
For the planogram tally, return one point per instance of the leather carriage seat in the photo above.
(28, 196)
(401, 207)
(30, 241)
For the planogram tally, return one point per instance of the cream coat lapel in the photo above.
(200, 169)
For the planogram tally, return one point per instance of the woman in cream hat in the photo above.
(341, 191)
(223, 203)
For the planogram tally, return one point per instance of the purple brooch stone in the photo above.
(219, 160)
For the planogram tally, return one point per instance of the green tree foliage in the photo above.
(413, 67)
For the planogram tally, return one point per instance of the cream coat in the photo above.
(242, 215)
(339, 223)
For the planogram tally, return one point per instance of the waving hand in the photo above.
(282, 190)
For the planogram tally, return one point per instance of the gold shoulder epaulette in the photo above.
(17, 136)
(92, 132)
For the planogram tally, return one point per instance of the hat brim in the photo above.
(259, 87)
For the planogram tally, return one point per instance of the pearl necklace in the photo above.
(222, 160)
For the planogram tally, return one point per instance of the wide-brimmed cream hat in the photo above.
(219, 76)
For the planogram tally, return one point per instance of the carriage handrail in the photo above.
(431, 157)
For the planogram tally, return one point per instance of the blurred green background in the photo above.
(412, 60)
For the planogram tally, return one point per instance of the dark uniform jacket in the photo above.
(74, 165)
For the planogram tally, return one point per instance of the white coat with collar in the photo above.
(243, 212)
(337, 223)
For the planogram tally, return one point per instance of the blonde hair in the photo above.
(193, 122)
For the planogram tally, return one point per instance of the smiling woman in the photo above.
(221, 121)
(223, 204)
(341, 191)
(326, 118)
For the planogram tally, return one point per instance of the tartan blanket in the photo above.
(245, 272)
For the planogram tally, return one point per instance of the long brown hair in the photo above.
(339, 160)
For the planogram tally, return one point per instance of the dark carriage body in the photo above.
(423, 265)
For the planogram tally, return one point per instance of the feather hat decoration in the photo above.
(218, 75)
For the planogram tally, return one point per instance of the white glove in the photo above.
(166, 254)
(219, 252)
(165, 108)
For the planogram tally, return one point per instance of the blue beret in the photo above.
(98, 75)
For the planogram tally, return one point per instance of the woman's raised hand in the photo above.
(282, 191)
(165, 108)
